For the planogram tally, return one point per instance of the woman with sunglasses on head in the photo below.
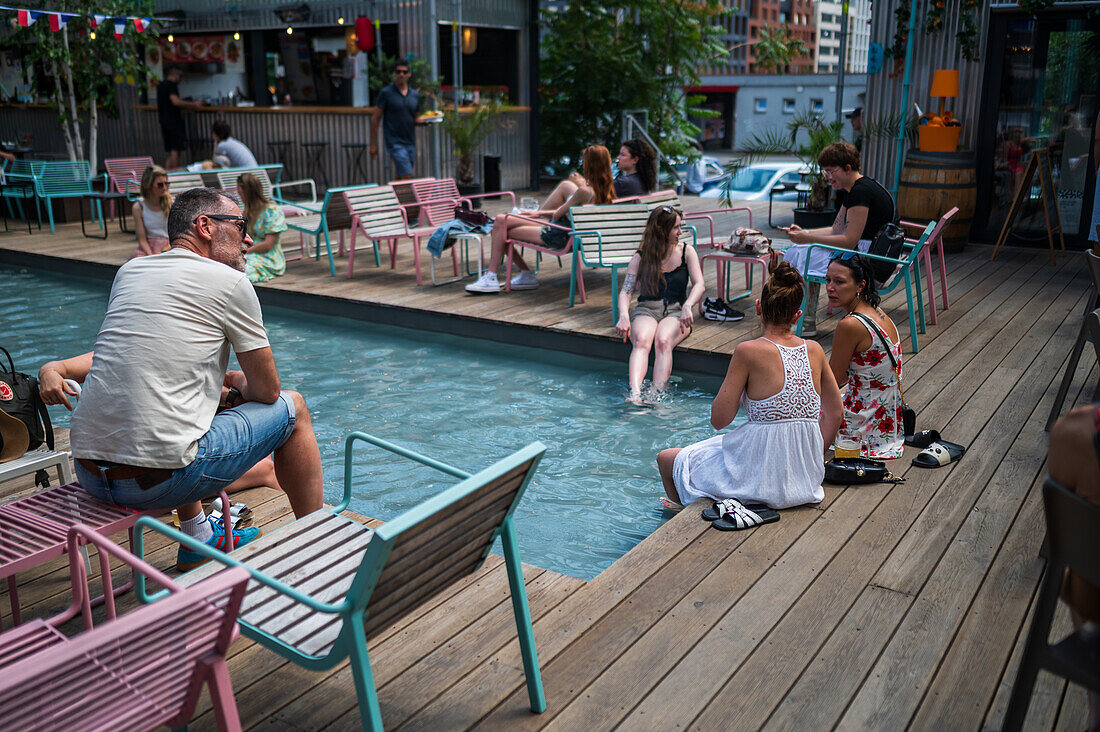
(661, 269)
(864, 207)
(264, 259)
(637, 169)
(794, 410)
(594, 187)
(151, 212)
(866, 357)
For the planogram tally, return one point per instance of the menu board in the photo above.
(196, 48)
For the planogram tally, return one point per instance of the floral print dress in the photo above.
(872, 404)
(262, 266)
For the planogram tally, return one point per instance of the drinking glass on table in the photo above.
(528, 203)
(846, 448)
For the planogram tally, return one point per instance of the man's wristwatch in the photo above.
(233, 397)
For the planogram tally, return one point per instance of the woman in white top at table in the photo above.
(151, 212)
(864, 207)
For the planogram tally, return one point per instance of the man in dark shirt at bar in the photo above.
(169, 106)
(395, 110)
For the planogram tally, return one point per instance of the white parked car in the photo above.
(754, 182)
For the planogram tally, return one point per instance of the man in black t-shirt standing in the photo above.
(169, 111)
(395, 111)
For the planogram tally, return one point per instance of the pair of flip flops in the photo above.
(730, 514)
(937, 452)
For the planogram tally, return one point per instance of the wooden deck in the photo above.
(886, 606)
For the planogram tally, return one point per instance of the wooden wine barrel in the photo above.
(934, 182)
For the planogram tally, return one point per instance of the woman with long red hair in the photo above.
(594, 186)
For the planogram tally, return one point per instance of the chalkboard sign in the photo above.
(1039, 161)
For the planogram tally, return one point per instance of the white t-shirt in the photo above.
(160, 359)
(238, 153)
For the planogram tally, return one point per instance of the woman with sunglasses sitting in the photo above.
(264, 260)
(864, 208)
(661, 267)
(595, 186)
(867, 357)
(794, 410)
(151, 212)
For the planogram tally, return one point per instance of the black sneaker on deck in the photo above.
(722, 312)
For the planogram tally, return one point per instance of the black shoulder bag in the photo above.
(858, 471)
(19, 398)
(888, 242)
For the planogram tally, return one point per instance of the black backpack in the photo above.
(19, 398)
(888, 242)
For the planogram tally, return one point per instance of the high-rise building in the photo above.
(797, 17)
(828, 21)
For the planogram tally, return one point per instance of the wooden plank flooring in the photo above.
(884, 607)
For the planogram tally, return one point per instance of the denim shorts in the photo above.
(238, 439)
(404, 157)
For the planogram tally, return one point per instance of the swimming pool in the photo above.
(463, 401)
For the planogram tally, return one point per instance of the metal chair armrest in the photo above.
(396, 450)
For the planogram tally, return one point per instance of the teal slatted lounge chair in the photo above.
(329, 583)
(908, 272)
(321, 219)
(64, 179)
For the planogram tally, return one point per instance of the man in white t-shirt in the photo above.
(147, 432)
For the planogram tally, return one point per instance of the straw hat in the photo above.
(14, 437)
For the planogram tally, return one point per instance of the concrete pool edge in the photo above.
(694, 362)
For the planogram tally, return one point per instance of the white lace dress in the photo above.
(777, 457)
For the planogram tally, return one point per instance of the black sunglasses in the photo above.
(240, 221)
(672, 210)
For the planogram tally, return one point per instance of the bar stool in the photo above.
(356, 164)
(280, 150)
(314, 151)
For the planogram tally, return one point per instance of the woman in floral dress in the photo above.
(872, 404)
(264, 260)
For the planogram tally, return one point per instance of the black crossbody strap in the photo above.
(881, 337)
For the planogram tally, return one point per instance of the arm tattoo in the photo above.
(628, 283)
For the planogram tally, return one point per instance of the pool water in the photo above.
(463, 401)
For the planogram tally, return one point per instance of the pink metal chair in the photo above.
(125, 174)
(134, 672)
(710, 247)
(935, 240)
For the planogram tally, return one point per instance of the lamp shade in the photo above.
(469, 40)
(945, 83)
(364, 33)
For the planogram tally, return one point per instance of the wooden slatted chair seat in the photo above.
(134, 672)
(125, 174)
(323, 585)
(377, 213)
(179, 182)
(331, 214)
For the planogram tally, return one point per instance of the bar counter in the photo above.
(137, 132)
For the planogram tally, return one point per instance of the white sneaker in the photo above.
(487, 282)
(525, 280)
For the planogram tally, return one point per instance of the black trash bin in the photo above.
(490, 173)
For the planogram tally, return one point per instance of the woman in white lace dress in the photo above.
(794, 410)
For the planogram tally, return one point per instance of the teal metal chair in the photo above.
(19, 186)
(908, 272)
(65, 179)
(329, 583)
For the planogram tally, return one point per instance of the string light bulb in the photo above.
(92, 35)
(171, 38)
(289, 30)
(236, 36)
(340, 21)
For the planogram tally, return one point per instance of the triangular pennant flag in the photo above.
(97, 20)
(142, 23)
(120, 28)
(27, 17)
(58, 21)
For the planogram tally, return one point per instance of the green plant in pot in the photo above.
(805, 136)
(467, 131)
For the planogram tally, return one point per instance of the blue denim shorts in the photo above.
(404, 157)
(238, 439)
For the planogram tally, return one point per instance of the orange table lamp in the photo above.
(938, 135)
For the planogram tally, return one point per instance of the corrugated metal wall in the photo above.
(930, 52)
(139, 134)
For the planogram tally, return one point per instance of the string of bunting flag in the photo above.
(57, 20)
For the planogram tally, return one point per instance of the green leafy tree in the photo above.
(776, 49)
(85, 64)
(601, 60)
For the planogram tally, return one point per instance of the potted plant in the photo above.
(467, 131)
(816, 134)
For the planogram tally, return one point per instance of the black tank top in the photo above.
(676, 283)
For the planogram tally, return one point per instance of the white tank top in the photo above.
(156, 223)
